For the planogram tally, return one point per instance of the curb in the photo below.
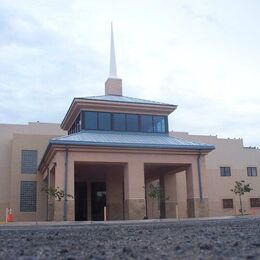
(122, 222)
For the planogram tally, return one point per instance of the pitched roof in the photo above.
(131, 140)
(125, 99)
(110, 101)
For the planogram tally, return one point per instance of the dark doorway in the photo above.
(98, 200)
(81, 201)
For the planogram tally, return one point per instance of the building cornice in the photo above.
(52, 149)
(79, 104)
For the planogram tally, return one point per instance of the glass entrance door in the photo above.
(81, 201)
(98, 200)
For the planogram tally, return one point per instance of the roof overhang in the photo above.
(79, 104)
(56, 145)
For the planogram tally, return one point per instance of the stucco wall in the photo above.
(231, 153)
(9, 156)
(228, 152)
(134, 160)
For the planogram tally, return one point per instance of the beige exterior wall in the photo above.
(228, 152)
(14, 138)
(231, 153)
(134, 177)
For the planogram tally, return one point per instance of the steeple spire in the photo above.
(113, 85)
(113, 70)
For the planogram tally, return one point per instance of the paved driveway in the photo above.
(237, 238)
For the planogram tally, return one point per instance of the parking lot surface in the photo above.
(237, 238)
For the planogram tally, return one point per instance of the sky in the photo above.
(203, 56)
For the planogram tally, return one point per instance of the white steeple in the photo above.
(113, 71)
(113, 85)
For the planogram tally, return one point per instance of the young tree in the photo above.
(156, 192)
(56, 192)
(240, 189)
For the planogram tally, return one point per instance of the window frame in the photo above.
(139, 123)
(34, 205)
(84, 121)
(77, 124)
(154, 125)
(249, 173)
(227, 205)
(225, 167)
(106, 113)
(23, 171)
(255, 202)
(113, 122)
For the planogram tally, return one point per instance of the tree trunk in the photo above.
(241, 207)
(152, 208)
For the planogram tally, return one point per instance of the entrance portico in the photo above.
(126, 175)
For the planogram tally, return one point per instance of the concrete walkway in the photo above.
(118, 222)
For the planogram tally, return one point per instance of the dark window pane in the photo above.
(104, 121)
(228, 203)
(147, 124)
(119, 122)
(251, 171)
(255, 202)
(29, 161)
(28, 196)
(159, 124)
(132, 123)
(90, 119)
(225, 171)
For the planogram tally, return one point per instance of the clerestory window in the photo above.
(108, 121)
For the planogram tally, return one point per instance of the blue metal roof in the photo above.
(124, 99)
(123, 139)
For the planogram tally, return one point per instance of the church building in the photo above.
(112, 155)
(115, 147)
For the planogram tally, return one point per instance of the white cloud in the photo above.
(200, 55)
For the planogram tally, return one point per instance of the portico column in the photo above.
(134, 192)
(59, 182)
(70, 191)
(170, 190)
(114, 190)
(197, 200)
(162, 197)
(60, 171)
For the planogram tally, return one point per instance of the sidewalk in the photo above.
(118, 222)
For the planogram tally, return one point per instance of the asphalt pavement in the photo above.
(236, 238)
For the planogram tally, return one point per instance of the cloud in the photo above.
(191, 54)
(41, 69)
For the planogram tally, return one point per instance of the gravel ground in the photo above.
(237, 238)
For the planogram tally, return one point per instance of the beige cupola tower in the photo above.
(113, 85)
